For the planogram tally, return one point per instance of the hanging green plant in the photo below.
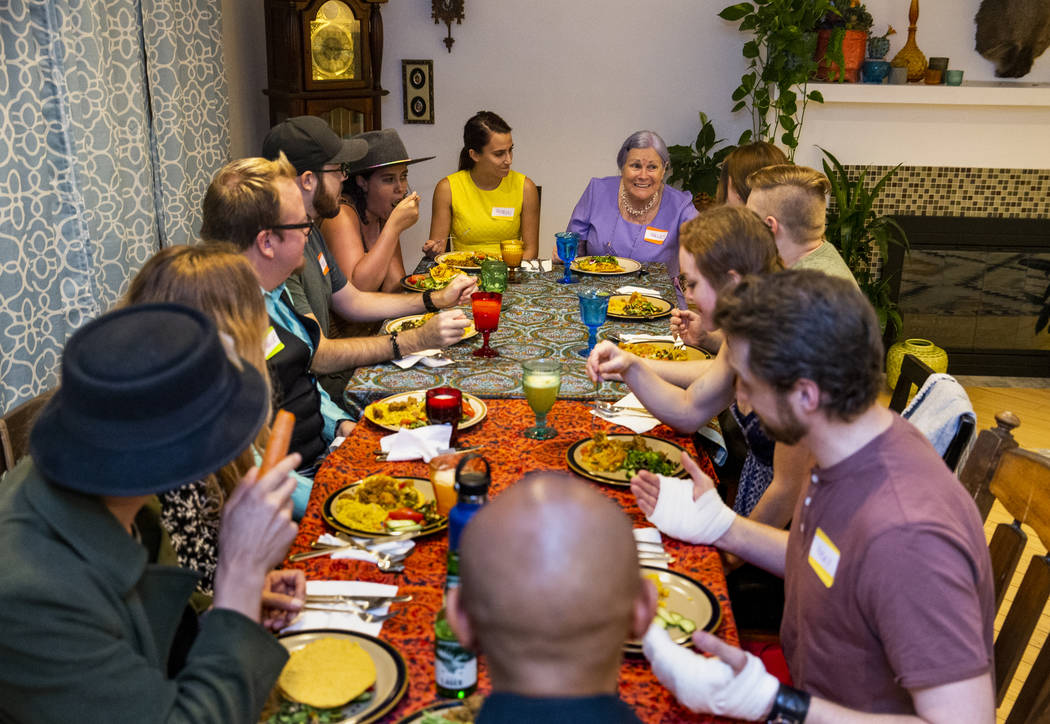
(696, 168)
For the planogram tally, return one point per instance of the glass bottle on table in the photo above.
(455, 667)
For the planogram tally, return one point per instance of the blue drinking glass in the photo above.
(593, 307)
(568, 243)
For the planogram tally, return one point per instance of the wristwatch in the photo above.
(394, 345)
(428, 303)
(790, 706)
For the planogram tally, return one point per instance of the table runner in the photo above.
(511, 455)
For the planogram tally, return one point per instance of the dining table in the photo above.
(539, 318)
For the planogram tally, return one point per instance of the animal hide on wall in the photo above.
(1012, 34)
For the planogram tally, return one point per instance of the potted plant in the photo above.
(858, 231)
(842, 39)
(780, 57)
(696, 168)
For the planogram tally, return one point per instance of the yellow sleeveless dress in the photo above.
(482, 219)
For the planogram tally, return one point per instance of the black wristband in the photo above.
(790, 706)
(428, 303)
(395, 346)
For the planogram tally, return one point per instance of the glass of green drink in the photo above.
(541, 379)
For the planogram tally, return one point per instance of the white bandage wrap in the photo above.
(701, 521)
(709, 685)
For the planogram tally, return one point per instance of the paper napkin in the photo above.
(393, 548)
(535, 265)
(641, 290)
(650, 535)
(421, 442)
(428, 356)
(636, 338)
(636, 422)
(348, 621)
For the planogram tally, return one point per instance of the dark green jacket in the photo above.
(87, 621)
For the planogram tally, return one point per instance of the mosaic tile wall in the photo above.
(970, 300)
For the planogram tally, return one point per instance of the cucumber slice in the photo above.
(686, 624)
(676, 618)
(664, 615)
(402, 526)
(660, 622)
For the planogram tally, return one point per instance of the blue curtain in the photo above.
(112, 119)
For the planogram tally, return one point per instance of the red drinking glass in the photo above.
(486, 306)
(445, 405)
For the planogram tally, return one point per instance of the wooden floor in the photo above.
(1032, 406)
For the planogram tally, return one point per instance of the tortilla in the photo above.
(327, 673)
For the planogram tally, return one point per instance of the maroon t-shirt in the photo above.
(897, 592)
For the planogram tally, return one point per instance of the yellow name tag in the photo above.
(824, 558)
(272, 344)
(654, 235)
(502, 212)
(323, 262)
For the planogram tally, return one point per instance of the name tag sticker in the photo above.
(654, 235)
(824, 558)
(272, 344)
(502, 212)
(323, 262)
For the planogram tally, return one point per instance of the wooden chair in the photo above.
(15, 427)
(914, 373)
(1020, 480)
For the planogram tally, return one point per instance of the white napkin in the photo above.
(421, 442)
(535, 265)
(348, 621)
(636, 422)
(394, 548)
(427, 355)
(650, 535)
(641, 290)
(636, 338)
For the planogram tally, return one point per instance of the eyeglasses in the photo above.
(341, 171)
(305, 227)
(682, 284)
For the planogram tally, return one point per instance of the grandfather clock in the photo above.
(323, 58)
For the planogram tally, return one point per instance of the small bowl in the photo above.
(953, 77)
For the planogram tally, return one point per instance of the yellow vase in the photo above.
(935, 357)
(910, 56)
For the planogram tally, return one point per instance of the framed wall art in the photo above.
(417, 80)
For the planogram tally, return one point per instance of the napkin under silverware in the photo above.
(348, 621)
(344, 550)
(413, 444)
(650, 535)
(429, 357)
(628, 289)
(535, 265)
(636, 422)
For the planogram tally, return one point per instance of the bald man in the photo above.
(553, 646)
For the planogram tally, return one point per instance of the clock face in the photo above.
(333, 43)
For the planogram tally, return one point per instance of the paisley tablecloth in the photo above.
(510, 455)
(540, 318)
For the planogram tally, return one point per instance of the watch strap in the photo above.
(789, 707)
(428, 303)
(394, 345)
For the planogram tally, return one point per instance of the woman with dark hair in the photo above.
(741, 163)
(485, 202)
(634, 215)
(376, 207)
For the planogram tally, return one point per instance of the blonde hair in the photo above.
(741, 163)
(729, 238)
(797, 196)
(216, 279)
(243, 199)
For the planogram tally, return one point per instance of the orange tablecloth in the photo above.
(510, 455)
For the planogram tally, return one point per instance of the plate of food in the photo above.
(447, 712)
(638, 306)
(336, 676)
(613, 458)
(683, 606)
(382, 505)
(408, 410)
(464, 259)
(605, 265)
(437, 278)
(413, 321)
(664, 351)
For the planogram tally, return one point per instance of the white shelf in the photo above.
(975, 93)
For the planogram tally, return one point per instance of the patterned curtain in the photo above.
(113, 118)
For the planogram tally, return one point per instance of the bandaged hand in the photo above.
(702, 684)
(701, 521)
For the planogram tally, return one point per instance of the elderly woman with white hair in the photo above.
(634, 215)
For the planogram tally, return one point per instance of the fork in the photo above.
(361, 614)
(609, 408)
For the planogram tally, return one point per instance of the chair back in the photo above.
(15, 427)
(1020, 481)
(915, 373)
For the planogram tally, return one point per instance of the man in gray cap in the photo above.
(318, 156)
(92, 603)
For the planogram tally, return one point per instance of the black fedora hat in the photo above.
(309, 143)
(149, 401)
(385, 148)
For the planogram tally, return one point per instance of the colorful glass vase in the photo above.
(910, 56)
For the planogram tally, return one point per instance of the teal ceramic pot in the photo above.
(875, 71)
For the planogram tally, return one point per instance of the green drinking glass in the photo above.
(494, 276)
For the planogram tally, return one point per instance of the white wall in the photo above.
(575, 77)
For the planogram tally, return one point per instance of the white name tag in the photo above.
(323, 262)
(272, 344)
(502, 212)
(824, 557)
(654, 235)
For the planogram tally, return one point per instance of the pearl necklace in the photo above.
(633, 211)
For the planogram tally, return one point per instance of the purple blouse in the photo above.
(597, 220)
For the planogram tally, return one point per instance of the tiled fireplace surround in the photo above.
(973, 287)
